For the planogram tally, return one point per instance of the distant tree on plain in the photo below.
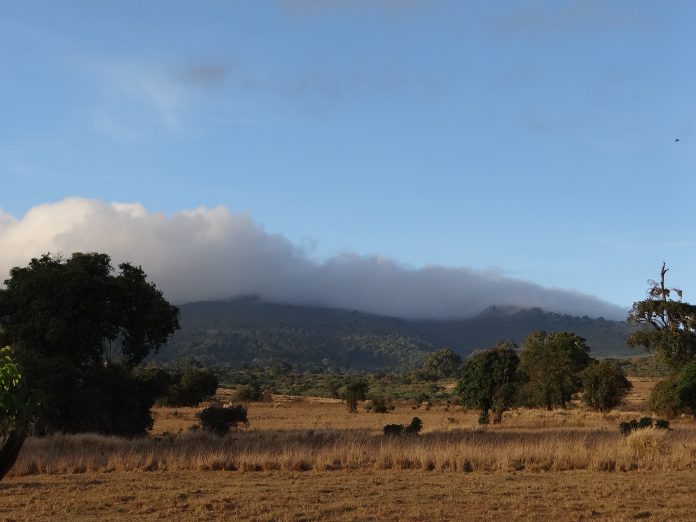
(550, 363)
(490, 381)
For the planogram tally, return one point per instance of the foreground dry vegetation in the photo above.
(317, 461)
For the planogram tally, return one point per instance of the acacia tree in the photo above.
(668, 326)
(551, 362)
(490, 381)
(78, 327)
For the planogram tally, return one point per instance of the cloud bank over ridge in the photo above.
(212, 253)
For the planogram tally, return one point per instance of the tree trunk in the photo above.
(10, 450)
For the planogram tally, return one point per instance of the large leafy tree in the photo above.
(78, 327)
(668, 325)
(490, 381)
(551, 363)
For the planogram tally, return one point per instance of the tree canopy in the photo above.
(668, 326)
(77, 327)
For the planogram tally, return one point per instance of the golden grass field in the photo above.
(309, 459)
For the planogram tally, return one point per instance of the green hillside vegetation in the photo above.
(251, 332)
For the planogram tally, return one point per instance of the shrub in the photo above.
(393, 429)
(380, 405)
(663, 399)
(397, 429)
(248, 393)
(685, 388)
(219, 420)
(415, 426)
(604, 385)
(644, 423)
(662, 424)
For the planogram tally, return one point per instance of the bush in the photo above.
(685, 387)
(604, 385)
(415, 426)
(393, 429)
(397, 429)
(219, 420)
(248, 393)
(380, 405)
(644, 423)
(664, 400)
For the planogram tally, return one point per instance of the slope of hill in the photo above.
(250, 331)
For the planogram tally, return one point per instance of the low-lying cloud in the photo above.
(212, 253)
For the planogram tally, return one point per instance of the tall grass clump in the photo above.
(648, 443)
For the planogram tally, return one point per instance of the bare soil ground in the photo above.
(344, 495)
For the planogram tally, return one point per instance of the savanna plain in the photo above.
(303, 458)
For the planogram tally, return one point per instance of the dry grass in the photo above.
(301, 435)
(311, 460)
(462, 450)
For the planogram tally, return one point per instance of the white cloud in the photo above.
(212, 253)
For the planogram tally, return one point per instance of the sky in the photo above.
(411, 157)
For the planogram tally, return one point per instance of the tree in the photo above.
(668, 326)
(14, 414)
(442, 363)
(78, 328)
(604, 385)
(355, 391)
(551, 362)
(490, 382)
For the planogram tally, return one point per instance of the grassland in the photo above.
(308, 459)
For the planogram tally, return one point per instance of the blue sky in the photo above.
(534, 138)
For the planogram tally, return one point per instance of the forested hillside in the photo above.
(249, 331)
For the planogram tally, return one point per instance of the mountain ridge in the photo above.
(249, 330)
